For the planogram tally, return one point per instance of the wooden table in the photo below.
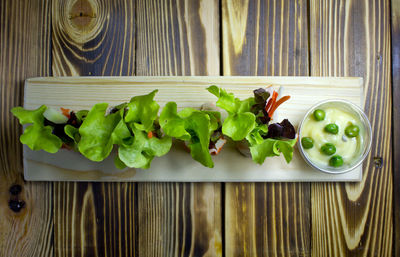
(310, 38)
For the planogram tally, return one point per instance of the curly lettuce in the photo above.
(272, 147)
(132, 127)
(137, 136)
(192, 126)
(95, 133)
(248, 119)
(37, 136)
(139, 150)
(240, 121)
(142, 111)
(128, 127)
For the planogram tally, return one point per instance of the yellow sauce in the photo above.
(348, 148)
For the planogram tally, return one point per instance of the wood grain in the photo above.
(94, 219)
(94, 38)
(179, 219)
(266, 38)
(178, 38)
(353, 38)
(395, 24)
(25, 52)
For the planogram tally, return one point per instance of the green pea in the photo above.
(336, 161)
(332, 128)
(352, 130)
(328, 149)
(307, 142)
(319, 114)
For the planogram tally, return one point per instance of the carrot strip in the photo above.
(150, 134)
(279, 102)
(65, 112)
(274, 96)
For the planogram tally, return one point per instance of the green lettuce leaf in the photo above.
(238, 125)
(136, 149)
(190, 125)
(198, 125)
(187, 112)
(29, 116)
(37, 136)
(256, 135)
(240, 121)
(121, 133)
(96, 141)
(140, 150)
(226, 101)
(245, 105)
(81, 115)
(229, 102)
(73, 133)
(272, 147)
(215, 120)
(172, 124)
(142, 111)
(118, 163)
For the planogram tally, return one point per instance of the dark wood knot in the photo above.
(15, 189)
(16, 205)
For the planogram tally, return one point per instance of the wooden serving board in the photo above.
(78, 93)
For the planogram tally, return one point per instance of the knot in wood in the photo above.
(16, 205)
(15, 189)
(79, 22)
(82, 14)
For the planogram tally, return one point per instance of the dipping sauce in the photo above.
(323, 133)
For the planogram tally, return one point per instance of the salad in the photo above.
(248, 122)
(132, 127)
(199, 129)
(139, 134)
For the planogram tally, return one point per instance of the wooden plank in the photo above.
(266, 38)
(395, 10)
(352, 38)
(78, 93)
(94, 219)
(25, 52)
(178, 38)
(94, 38)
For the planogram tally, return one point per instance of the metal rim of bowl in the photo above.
(368, 131)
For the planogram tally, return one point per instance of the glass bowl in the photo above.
(365, 132)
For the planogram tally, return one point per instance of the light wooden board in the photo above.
(83, 92)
